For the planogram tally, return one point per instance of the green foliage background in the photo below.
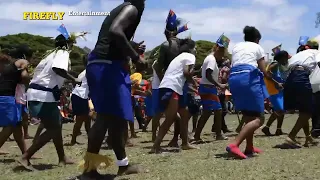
(42, 44)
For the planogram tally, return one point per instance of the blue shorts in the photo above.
(155, 101)
(277, 101)
(79, 106)
(165, 94)
(110, 88)
(148, 104)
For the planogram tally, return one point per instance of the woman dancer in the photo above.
(248, 89)
(12, 72)
(80, 105)
(276, 70)
(208, 90)
(298, 92)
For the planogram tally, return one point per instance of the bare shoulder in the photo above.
(21, 63)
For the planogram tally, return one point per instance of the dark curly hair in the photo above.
(251, 34)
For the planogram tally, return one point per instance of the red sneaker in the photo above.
(233, 149)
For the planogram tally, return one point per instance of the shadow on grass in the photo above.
(39, 167)
(228, 156)
(286, 146)
(103, 177)
(166, 150)
(146, 142)
(7, 161)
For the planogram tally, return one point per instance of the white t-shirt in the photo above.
(209, 63)
(83, 90)
(174, 78)
(247, 53)
(45, 76)
(306, 58)
(155, 79)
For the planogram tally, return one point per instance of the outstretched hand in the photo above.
(141, 47)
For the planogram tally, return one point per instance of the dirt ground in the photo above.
(209, 163)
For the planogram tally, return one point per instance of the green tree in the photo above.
(40, 45)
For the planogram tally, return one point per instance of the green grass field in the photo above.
(209, 163)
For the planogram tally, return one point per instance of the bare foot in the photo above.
(131, 169)
(28, 137)
(197, 141)
(134, 136)
(129, 143)
(188, 147)
(155, 150)
(26, 164)
(310, 140)
(65, 161)
(173, 143)
(221, 137)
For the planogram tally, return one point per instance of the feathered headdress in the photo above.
(72, 36)
(173, 23)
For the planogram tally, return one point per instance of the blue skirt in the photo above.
(298, 92)
(277, 101)
(79, 106)
(209, 98)
(10, 111)
(110, 88)
(247, 88)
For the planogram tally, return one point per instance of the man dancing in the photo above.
(168, 51)
(110, 86)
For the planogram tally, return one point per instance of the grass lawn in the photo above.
(209, 163)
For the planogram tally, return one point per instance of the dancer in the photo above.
(171, 95)
(110, 87)
(44, 93)
(155, 102)
(168, 51)
(277, 70)
(298, 92)
(224, 72)
(248, 89)
(208, 90)
(23, 52)
(80, 105)
(12, 73)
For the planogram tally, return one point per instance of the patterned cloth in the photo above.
(223, 70)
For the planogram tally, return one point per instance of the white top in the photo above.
(155, 80)
(174, 78)
(247, 53)
(83, 90)
(306, 58)
(315, 77)
(44, 76)
(209, 63)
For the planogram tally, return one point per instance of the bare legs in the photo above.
(252, 124)
(17, 134)
(80, 119)
(279, 115)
